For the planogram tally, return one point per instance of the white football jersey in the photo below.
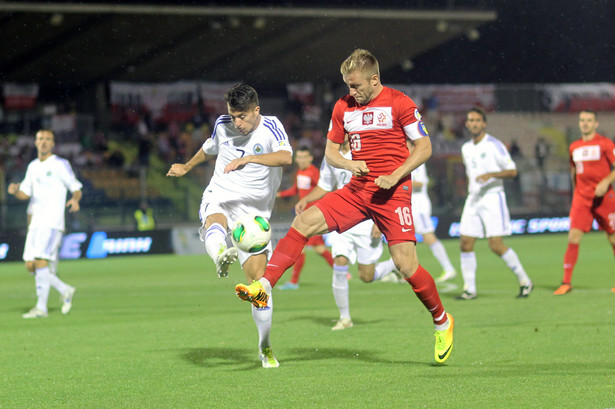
(253, 182)
(421, 204)
(332, 178)
(489, 155)
(47, 183)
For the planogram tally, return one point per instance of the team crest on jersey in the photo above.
(258, 149)
(382, 118)
(417, 114)
(368, 118)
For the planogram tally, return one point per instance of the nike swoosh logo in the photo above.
(405, 230)
(445, 352)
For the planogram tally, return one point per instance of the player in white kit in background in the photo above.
(362, 243)
(485, 213)
(250, 150)
(421, 216)
(46, 183)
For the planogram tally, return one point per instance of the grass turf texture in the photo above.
(165, 332)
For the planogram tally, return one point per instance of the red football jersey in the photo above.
(593, 160)
(376, 132)
(305, 181)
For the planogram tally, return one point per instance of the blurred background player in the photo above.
(250, 149)
(46, 183)
(378, 121)
(421, 215)
(361, 243)
(305, 180)
(592, 168)
(485, 213)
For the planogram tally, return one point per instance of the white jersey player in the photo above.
(250, 150)
(46, 183)
(485, 213)
(362, 243)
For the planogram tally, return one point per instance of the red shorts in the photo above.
(583, 212)
(389, 209)
(315, 241)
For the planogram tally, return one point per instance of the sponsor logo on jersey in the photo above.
(586, 153)
(417, 114)
(368, 118)
(258, 149)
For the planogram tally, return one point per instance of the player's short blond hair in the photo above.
(361, 60)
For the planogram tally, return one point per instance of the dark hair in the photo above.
(480, 112)
(303, 148)
(241, 97)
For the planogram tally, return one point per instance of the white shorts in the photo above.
(232, 210)
(42, 243)
(361, 248)
(485, 216)
(422, 223)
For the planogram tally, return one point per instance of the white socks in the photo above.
(512, 261)
(215, 238)
(440, 254)
(262, 318)
(340, 290)
(468, 271)
(42, 287)
(383, 268)
(58, 284)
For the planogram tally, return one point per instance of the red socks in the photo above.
(286, 253)
(327, 256)
(570, 260)
(425, 289)
(297, 268)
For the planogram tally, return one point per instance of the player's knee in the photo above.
(340, 261)
(310, 223)
(366, 273)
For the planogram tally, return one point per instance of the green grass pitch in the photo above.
(165, 332)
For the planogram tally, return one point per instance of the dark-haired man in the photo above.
(251, 149)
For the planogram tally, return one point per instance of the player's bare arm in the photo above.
(13, 189)
(335, 159)
(314, 195)
(504, 174)
(273, 159)
(180, 169)
(603, 186)
(73, 202)
(420, 154)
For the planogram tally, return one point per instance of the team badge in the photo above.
(417, 114)
(258, 149)
(382, 117)
(368, 118)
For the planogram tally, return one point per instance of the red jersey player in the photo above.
(592, 167)
(378, 121)
(306, 179)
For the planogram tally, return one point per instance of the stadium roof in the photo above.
(81, 44)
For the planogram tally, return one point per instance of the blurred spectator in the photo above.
(515, 150)
(144, 217)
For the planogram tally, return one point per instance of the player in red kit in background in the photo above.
(378, 120)
(592, 168)
(306, 179)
